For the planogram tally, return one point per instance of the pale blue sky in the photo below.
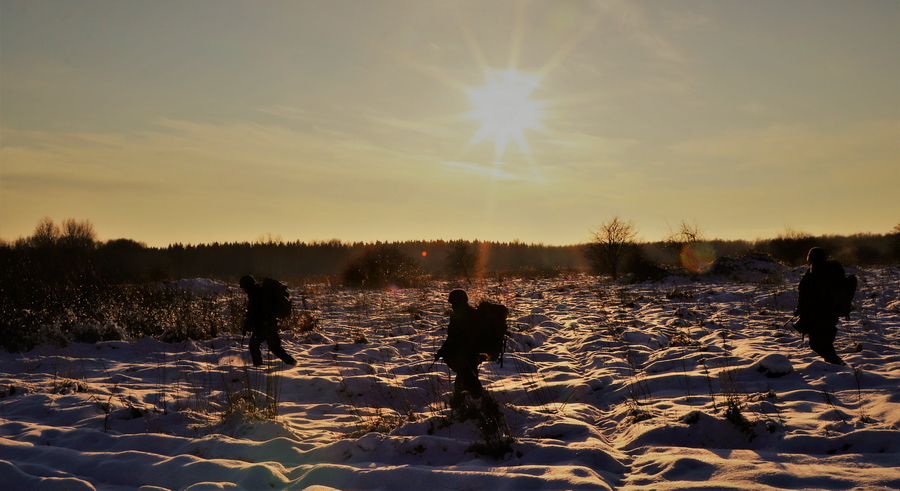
(202, 121)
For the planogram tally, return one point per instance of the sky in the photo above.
(226, 121)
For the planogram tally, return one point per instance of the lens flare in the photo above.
(697, 257)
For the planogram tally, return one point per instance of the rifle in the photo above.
(437, 356)
(802, 334)
(789, 320)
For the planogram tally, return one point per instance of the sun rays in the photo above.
(511, 106)
(504, 108)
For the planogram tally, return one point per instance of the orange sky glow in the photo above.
(220, 121)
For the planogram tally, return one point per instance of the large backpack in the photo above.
(277, 297)
(845, 304)
(841, 289)
(490, 336)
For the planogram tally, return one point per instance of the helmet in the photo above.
(458, 297)
(816, 255)
(247, 282)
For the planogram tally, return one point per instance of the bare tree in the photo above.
(685, 233)
(46, 234)
(461, 260)
(610, 244)
(269, 239)
(78, 234)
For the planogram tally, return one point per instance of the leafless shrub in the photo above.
(610, 245)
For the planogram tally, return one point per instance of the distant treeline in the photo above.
(62, 284)
(125, 260)
(72, 250)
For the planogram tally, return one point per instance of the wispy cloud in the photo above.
(781, 145)
(290, 112)
(494, 171)
(435, 129)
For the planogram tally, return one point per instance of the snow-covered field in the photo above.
(681, 384)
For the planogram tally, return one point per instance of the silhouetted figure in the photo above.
(261, 321)
(460, 350)
(822, 295)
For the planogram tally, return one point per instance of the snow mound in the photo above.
(773, 366)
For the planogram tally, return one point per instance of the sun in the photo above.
(505, 109)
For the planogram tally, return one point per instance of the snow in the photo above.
(695, 383)
(199, 286)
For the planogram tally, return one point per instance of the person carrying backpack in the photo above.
(825, 295)
(474, 335)
(266, 302)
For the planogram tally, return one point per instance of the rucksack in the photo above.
(845, 302)
(490, 337)
(277, 297)
(841, 289)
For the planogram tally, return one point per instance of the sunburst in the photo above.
(505, 106)
(505, 109)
